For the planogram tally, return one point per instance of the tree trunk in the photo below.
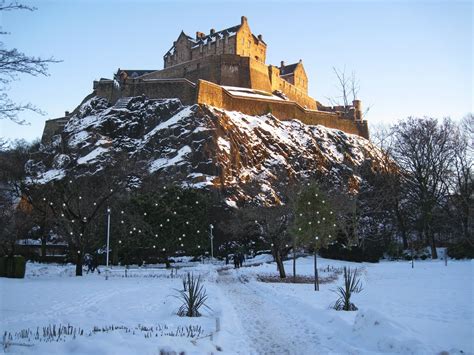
(404, 239)
(280, 266)
(401, 226)
(43, 246)
(294, 259)
(115, 254)
(434, 254)
(79, 264)
(316, 275)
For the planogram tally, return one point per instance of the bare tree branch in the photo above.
(14, 63)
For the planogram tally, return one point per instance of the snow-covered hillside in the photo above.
(425, 310)
(202, 146)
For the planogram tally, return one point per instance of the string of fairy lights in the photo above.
(65, 211)
(182, 238)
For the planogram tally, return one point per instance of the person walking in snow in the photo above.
(95, 263)
(88, 262)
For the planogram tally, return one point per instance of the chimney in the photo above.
(282, 64)
(199, 35)
(243, 20)
(212, 31)
(301, 61)
(260, 37)
(66, 114)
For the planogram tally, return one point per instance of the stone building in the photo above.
(230, 57)
(238, 40)
(227, 69)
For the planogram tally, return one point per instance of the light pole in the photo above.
(316, 278)
(108, 243)
(211, 237)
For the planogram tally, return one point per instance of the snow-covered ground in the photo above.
(428, 309)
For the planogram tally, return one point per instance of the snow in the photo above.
(186, 112)
(223, 144)
(199, 180)
(92, 156)
(28, 241)
(402, 310)
(165, 162)
(246, 92)
(231, 203)
(78, 138)
(50, 175)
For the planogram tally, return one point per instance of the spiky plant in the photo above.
(352, 285)
(193, 295)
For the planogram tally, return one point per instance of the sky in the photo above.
(412, 58)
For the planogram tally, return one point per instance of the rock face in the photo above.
(203, 147)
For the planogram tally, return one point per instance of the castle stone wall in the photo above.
(247, 45)
(163, 88)
(214, 95)
(291, 91)
(226, 69)
(107, 89)
(234, 70)
(259, 78)
(225, 45)
(53, 127)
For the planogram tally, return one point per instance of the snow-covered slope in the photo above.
(202, 146)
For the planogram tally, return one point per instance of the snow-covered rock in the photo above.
(201, 147)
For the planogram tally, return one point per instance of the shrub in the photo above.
(462, 250)
(337, 251)
(394, 251)
(13, 267)
(193, 295)
(351, 285)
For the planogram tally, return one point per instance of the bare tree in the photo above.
(14, 224)
(78, 202)
(462, 178)
(270, 225)
(424, 150)
(348, 86)
(14, 63)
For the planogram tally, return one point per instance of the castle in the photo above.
(226, 69)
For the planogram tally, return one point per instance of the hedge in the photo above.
(12, 267)
(339, 252)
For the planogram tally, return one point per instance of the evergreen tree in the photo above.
(166, 222)
(314, 224)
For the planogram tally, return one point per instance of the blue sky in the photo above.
(412, 58)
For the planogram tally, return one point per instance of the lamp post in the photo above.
(108, 243)
(316, 279)
(211, 237)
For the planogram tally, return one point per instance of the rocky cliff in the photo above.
(203, 147)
